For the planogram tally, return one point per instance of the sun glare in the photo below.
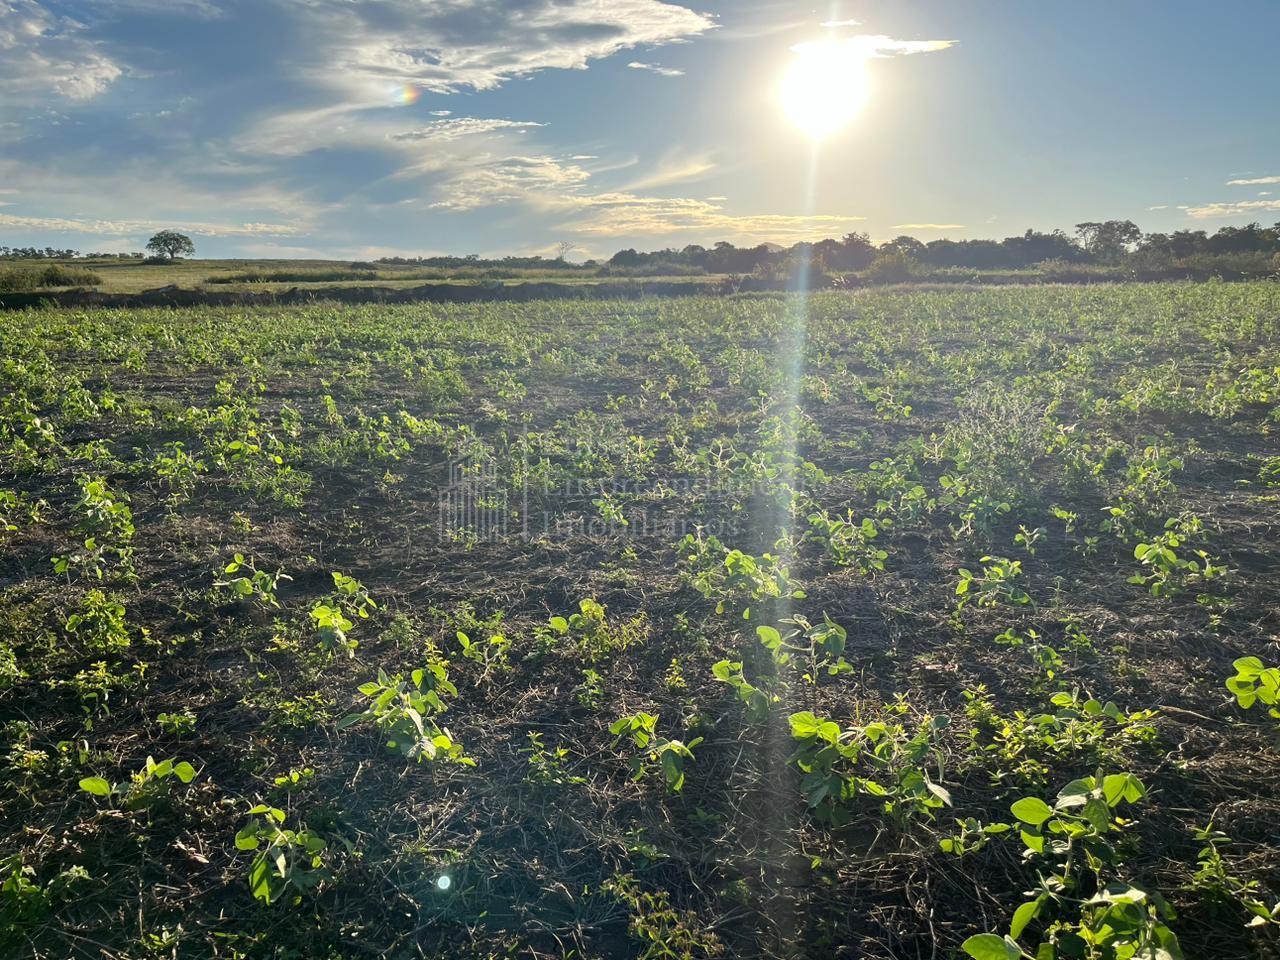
(825, 87)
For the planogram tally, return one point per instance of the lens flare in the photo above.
(444, 882)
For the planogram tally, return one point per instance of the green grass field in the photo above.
(887, 624)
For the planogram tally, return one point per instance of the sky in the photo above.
(365, 128)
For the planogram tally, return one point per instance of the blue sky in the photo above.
(357, 129)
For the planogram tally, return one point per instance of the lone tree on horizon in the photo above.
(169, 243)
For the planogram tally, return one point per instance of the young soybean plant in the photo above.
(145, 786)
(254, 584)
(756, 701)
(1255, 683)
(1084, 908)
(671, 755)
(823, 645)
(491, 654)
(403, 710)
(350, 598)
(995, 585)
(831, 760)
(285, 859)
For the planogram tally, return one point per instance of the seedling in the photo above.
(830, 759)
(404, 711)
(1256, 684)
(995, 585)
(491, 654)
(670, 755)
(823, 645)
(254, 583)
(145, 786)
(547, 766)
(177, 724)
(1072, 839)
(756, 700)
(284, 859)
(849, 543)
(99, 625)
(1169, 571)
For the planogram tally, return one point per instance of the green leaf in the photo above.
(1249, 666)
(1122, 786)
(1024, 915)
(184, 771)
(96, 785)
(988, 946)
(1031, 810)
(619, 725)
(260, 879)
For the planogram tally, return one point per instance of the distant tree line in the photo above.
(1111, 242)
(475, 260)
(52, 253)
(1098, 248)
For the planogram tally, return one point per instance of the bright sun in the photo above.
(824, 87)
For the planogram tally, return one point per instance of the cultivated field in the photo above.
(877, 625)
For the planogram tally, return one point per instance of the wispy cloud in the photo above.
(456, 128)
(1215, 211)
(558, 189)
(629, 215)
(927, 226)
(657, 68)
(1159, 206)
(444, 47)
(878, 45)
(675, 167)
(1254, 182)
(500, 180)
(129, 227)
(832, 24)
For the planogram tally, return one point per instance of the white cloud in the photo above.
(442, 113)
(629, 215)
(1215, 211)
(927, 226)
(556, 189)
(42, 53)
(1255, 182)
(121, 227)
(449, 45)
(657, 68)
(878, 45)
(840, 23)
(456, 128)
(1159, 206)
(202, 8)
(505, 179)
